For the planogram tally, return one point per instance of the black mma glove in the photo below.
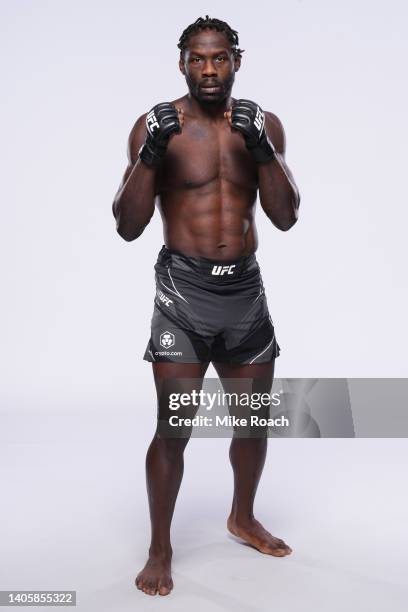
(161, 121)
(249, 119)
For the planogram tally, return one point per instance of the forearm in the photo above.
(278, 193)
(133, 206)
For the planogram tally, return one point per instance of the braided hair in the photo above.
(213, 24)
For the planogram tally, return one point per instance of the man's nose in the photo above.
(209, 69)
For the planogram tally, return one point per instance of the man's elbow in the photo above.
(130, 236)
(122, 227)
(284, 226)
(290, 222)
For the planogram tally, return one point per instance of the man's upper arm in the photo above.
(276, 133)
(136, 139)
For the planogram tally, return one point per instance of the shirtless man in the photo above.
(202, 159)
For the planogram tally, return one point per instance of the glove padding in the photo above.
(249, 119)
(161, 122)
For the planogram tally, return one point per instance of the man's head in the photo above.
(209, 59)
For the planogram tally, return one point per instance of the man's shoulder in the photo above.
(274, 119)
(181, 100)
(275, 131)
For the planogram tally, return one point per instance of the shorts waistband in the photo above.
(212, 269)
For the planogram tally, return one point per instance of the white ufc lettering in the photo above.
(259, 119)
(151, 121)
(163, 298)
(220, 270)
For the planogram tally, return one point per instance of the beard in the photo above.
(199, 94)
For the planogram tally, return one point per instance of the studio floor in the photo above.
(74, 517)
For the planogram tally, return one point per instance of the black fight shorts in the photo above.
(206, 310)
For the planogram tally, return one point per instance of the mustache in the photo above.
(210, 84)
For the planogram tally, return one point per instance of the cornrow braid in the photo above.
(213, 24)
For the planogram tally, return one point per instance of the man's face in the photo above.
(209, 66)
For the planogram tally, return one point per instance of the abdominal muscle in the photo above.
(214, 221)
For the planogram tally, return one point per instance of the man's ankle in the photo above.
(241, 518)
(161, 551)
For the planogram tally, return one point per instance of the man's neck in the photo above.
(213, 111)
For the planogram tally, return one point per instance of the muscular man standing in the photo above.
(202, 159)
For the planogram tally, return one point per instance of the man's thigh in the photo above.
(252, 381)
(172, 380)
(261, 374)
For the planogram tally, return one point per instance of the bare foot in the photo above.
(254, 534)
(155, 577)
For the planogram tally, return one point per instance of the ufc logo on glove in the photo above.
(259, 119)
(151, 121)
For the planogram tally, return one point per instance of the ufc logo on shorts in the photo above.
(259, 119)
(151, 121)
(163, 298)
(220, 270)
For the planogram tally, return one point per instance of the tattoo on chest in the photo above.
(197, 133)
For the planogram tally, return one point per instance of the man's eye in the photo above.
(220, 58)
(196, 59)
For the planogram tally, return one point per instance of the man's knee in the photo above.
(171, 447)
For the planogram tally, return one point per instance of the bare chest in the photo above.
(202, 154)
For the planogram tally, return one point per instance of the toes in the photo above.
(165, 587)
(277, 549)
(149, 587)
(153, 585)
(138, 582)
(281, 546)
(143, 584)
(163, 590)
(276, 552)
(152, 589)
(282, 552)
(149, 591)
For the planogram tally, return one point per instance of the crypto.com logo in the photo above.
(167, 339)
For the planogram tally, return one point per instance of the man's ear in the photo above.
(181, 66)
(237, 63)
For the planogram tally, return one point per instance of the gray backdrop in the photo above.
(77, 402)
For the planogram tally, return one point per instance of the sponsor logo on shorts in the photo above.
(167, 339)
(163, 298)
(168, 353)
(221, 270)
